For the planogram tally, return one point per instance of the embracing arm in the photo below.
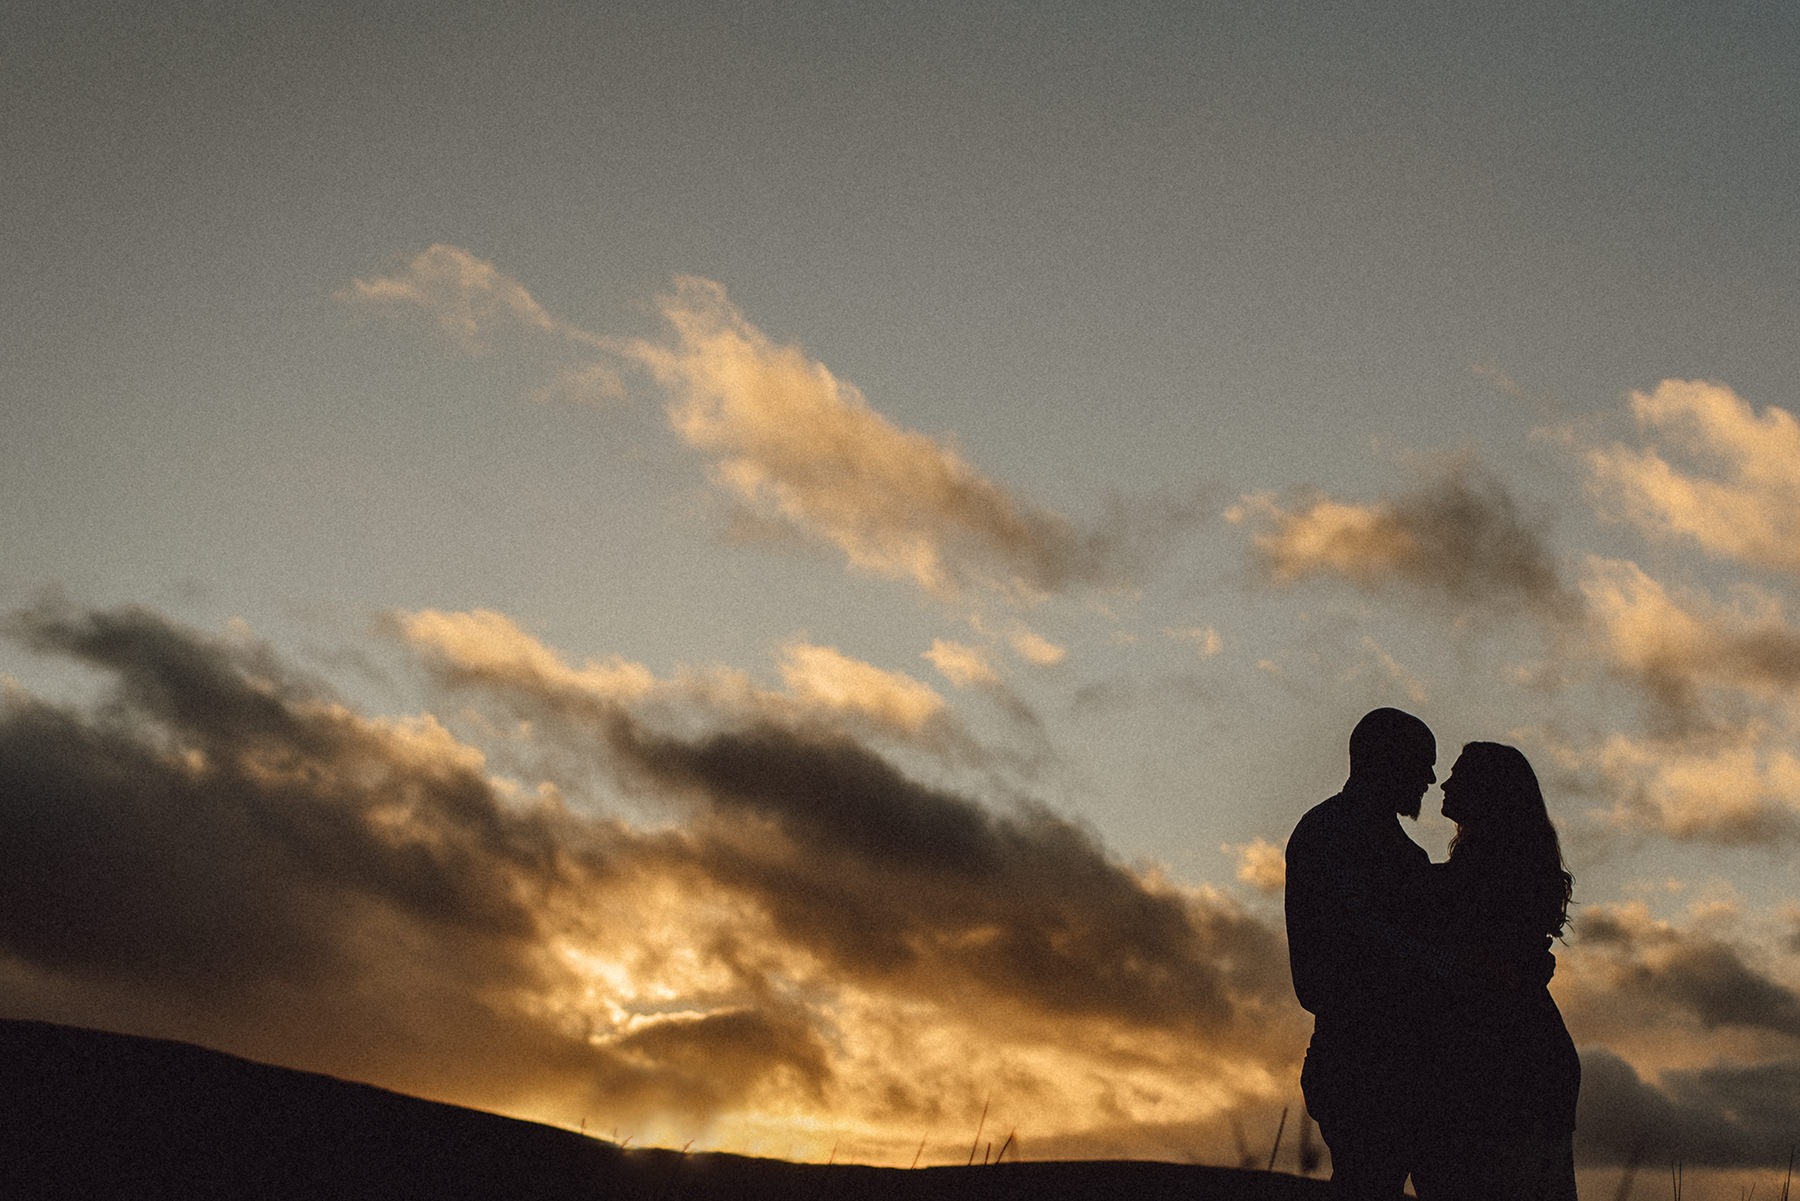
(1349, 945)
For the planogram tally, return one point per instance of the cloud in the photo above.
(823, 676)
(1034, 648)
(1698, 977)
(896, 880)
(470, 299)
(1260, 864)
(1719, 474)
(1722, 760)
(1740, 789)
(1676, 647)
(893, 856)
(487, 648)
(222, 850)
(1725, 1115)
(1460, 539)
(1710, 1016)
(484, 645)
(793, 443)
(964, 666)
(796, 449)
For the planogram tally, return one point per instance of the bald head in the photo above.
(1393, 751)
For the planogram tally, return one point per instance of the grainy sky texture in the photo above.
(775, 575)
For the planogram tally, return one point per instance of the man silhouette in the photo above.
(1366, 980)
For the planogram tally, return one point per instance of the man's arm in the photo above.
(1345, 948)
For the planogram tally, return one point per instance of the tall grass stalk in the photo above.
(974, 1146)
(1281, 1126)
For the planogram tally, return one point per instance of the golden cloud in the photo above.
(1742, 790)
(1260, 864)
(469, 298)
(1034, 648)
(792, 442)
(1676, 647)
(1738, 493)
(792, 445)
(1459, 539)
(821, 948)
(964, 666)
(823, 676)
(483, 644)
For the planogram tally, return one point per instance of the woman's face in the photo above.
(1460, 794)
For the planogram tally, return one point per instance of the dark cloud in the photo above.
(892, 878)
(706, 1063)
(220, 853)
(888, 876)
(1460, 539)
(223, 851)
(223, 801)
(1723, 1115)
(1700, 976)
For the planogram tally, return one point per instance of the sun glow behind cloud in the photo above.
(1715, 765)
(810, 903)
(817, 943)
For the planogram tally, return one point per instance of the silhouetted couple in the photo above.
(1437, 1050)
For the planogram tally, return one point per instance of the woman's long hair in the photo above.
(1506, 831)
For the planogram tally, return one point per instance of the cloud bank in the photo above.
(222, 850)
(1660, 992)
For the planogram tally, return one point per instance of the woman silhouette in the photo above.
(1500, 1100)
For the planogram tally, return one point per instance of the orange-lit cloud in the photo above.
(1260, 864)
(794, 447)
(1677, 647)
(1719, 473)
(806, 939)
(1690, 1041)
(470, 299)
(486, 645)
(964, 666)
(1459, 539)
(791, 441)
(1739, 788)
(824, 676)
(1034, 648)
(1721, 761)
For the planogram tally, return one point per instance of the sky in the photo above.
(776, 576)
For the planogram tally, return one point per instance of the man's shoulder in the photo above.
(1325, 822)
(1335, 824)
(1328, 813)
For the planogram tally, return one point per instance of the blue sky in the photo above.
(1238, 367)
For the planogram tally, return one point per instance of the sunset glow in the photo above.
(773, 580)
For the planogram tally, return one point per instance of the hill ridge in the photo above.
(97, 1114)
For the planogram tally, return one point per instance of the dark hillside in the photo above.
(85, 1114)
